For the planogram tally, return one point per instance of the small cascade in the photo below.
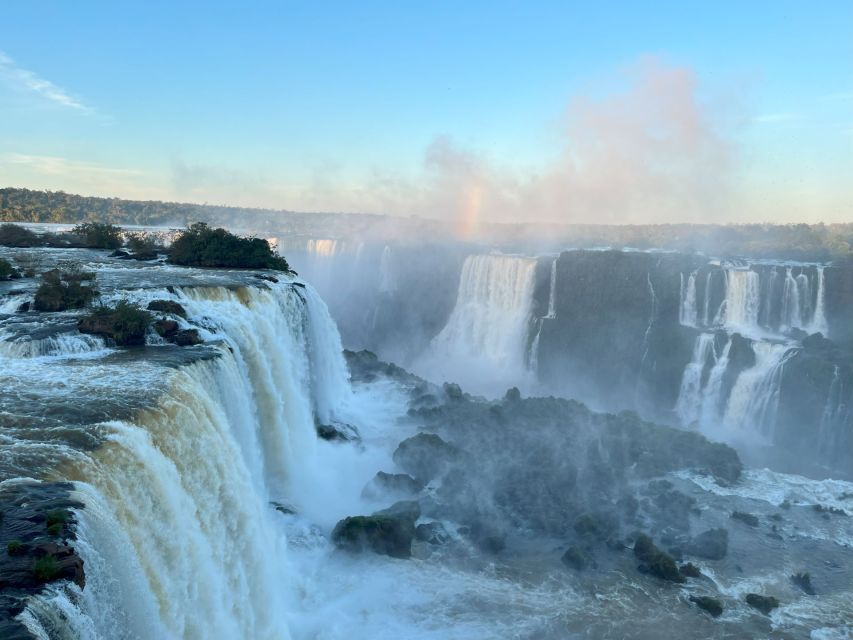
(552, 292)
(688, 407)
(837, 415)
(790, 302)
(818, 322)
(688, 313)
(653, 313)
(754, 399)
(386, 272)
(712, 392)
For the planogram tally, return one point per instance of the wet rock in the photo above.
(425, 456)
(187, 338)
(386, 532)
(746, 518)
(690, 570)
(765, 604)
(125, 324)
(654, 561)
(166, 328)
(709, 604)
(432, 532)
(167, 306)
(804, 582)
(711, 545)
(576, 558)
(596, 527)
(120, 253)
(338, 431)
(392, 483)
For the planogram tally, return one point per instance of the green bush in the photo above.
(14, 547)
(56, 516)
(140, 244)
(126, 323)
(46, 568)
(201, 246)
(6, 269)
(61, 291)
(13, 235)
(98, 235)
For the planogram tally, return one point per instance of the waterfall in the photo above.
(386, 272)
(688, 406)
(836, 416)
(552, 291)
(818, 322)
(754, 398)
(790, 302)
(742, 302)
(486, 335)
(688, 313)
(177, 535)
(712, 393)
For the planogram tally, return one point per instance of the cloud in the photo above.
(45, 89)
(57, 166)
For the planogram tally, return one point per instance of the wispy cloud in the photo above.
(45, 89)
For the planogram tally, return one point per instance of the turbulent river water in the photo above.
(205, 500)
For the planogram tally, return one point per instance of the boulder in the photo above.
(166, 328)
(388, 532)
(689, 570)
(432, 532)
(709, 604)
(746, 518)
(804, 582)
(576, 558)
(167, 306)
(654, 561)
(425, 456)
(338, 431)
(765, 604)
(711, 545)
(400, 484)
(187, 338)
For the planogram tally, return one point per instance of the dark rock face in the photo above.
(654, 561)
(576, 558)
(709, 604)
(804, 582)
(765, 604)
(338, 431)
(432, 532)
(167, 306)
(400, 484)
(689, 570)
(711, 545)
(746, 518)
(388, 532)
(166, 328)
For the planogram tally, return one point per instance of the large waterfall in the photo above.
(486, 337)
(176, 534)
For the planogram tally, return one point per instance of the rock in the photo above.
(746, 518)
(425, 456)
(576, 558)
(166, 328)
(512, 395)
(432, 532)
(711, 545)
(392, 483)
(187, 338)
(388, 532)
(596, 527)
(765, 604)
(711, 605)
(125, 324)
(690, 570)
(339, 431)
(25, 306)
(804, 582)
(167, 306)
(119, 253)
(654, 561)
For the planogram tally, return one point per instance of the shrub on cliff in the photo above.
(202, 246)
(125, 323)
(59, 291)
(98, 235)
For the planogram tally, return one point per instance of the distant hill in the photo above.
(816, 242)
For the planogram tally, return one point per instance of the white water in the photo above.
(688, 407)
(742, 302)
(177, 536)
(754, 398)
(552, 291)
(688, 313)
(484, 342)
(819, 319)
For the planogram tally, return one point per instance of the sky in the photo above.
(612, 112)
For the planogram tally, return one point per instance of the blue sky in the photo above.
(409, 108)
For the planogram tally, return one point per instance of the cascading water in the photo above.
(176, 532)
(552, 291)
(688, 407)
(486, 336)
(688, 313)
(742, 302)
(818, 323)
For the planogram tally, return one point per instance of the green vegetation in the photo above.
(46, 568)
(60, 291)
(56, 516)
(140, 244)
(98, 235)
(203, 246)
(125, 324)
(14, 547)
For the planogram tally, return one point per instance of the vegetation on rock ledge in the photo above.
(202, 246)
